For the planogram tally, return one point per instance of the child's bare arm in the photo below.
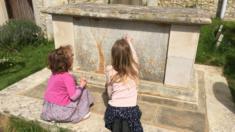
(130, 42)
(79, 89)
(107, 83)
(83, 82)
(134, 54)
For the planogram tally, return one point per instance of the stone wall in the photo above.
(151, 41)
(44, 21)
(230, 12)
(40, 18)
(3, 12)
(92, 29)
(209, 5)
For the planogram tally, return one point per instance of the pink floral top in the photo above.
(122, 94)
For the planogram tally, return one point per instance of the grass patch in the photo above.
(20, 125)
(207, 52)
(15, 124)
(231, 83)
(27, 61)
(229, 72)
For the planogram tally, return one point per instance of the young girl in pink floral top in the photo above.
(123, 113)
(64, 100)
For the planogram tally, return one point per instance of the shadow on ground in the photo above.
(223, 95)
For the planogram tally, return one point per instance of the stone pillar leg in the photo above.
(151, 2)
(182, 49)
(51, 3)
(37, 12)
(64, 32)
(3, 12)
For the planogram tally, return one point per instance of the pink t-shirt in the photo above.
(122, 94)
(61, 89)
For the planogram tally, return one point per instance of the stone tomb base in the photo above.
(170, 108)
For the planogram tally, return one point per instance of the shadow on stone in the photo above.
(105, 98)
(222, 94)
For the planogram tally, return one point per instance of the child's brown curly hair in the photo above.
(60, 59)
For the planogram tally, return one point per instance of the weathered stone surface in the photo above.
(178, 71)
(92, 35)
(230, 10)
(220, 108)
(127, 2)
(97, 82)
(152, 14)
(156, 110)
(15, 101)
(65, 23)
(176, 98)
(95, 38)
(211, 7)
(187, 120)
(3, 12)
(64, 32)
(181, 55)
(93, 1)
(219, 103)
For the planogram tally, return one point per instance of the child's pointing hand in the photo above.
(128, 38)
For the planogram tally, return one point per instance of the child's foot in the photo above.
(86, 116)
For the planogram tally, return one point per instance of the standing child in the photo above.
(64, 101)
(122, 113)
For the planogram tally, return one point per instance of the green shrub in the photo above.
(207, 52)
(231, 84)
(16, 34)
(19, 125)
(229, 67)
(224, 55)
(29, 60)
(229, 72)
(229, 36)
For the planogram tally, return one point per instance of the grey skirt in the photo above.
(73, 112)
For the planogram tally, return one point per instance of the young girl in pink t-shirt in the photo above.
(64, 100)
(122, 113)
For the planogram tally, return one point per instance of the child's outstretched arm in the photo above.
(134, 54)
(108, 80)
(129, 40)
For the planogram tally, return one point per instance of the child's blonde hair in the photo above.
(123, 62)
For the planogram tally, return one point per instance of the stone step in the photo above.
(170, 113)
(159, 115)
(142, 96)
(152, 99)
(153, 114)
(152, 92)
(158, 111)
(29, 108)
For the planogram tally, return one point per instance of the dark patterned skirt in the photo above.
(130, 114)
